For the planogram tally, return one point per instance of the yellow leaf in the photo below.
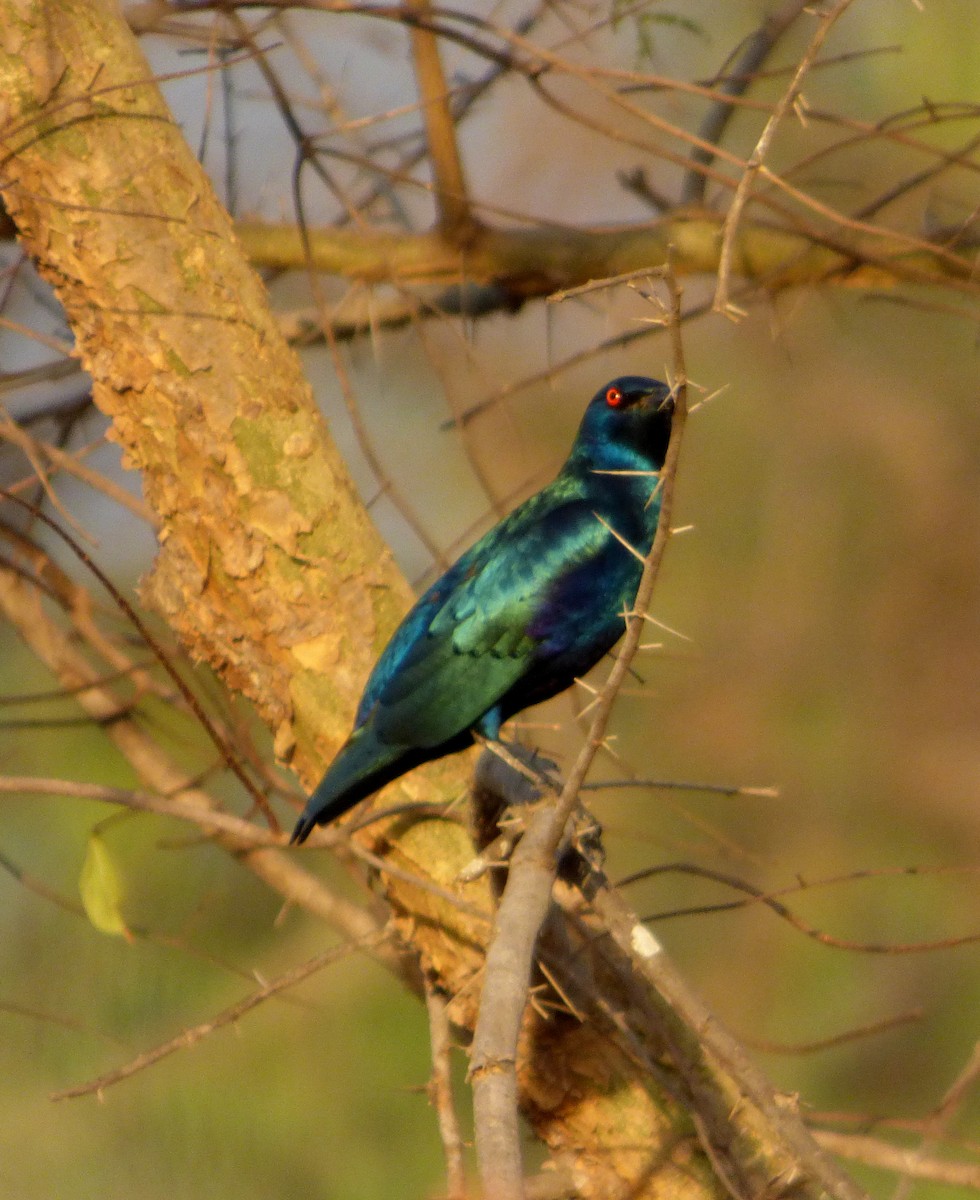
(101, 889)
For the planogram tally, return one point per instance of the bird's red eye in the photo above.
(614, 397)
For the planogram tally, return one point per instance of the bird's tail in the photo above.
(363, 765)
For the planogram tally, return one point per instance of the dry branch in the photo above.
(456, 223)
(756, 159)
(913, 1164)
(230, 1016)
(539, 261)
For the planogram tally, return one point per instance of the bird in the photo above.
(530, 607)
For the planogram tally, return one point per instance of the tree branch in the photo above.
(456, 222)
(526, 263)
(737, 80)
(230, 1016)
(758, 156)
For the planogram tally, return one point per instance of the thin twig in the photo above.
(456, 220)
(70, 463)
(735, 83)
(190, 1037)
(858, 1033)
(875, 1153)
(648, 579)
(683, 785)
(173, 795)
(384, 480)
(10, 431)
(441, 1092)
(210, 820)
(939, 1120)
(768, 898)
(722, 302)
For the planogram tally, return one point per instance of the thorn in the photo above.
(619, 538)
(643, 474)
(667, 628)
(707, 399)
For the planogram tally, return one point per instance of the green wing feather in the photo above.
(476, 645)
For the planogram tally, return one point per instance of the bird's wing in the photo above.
(468, 640)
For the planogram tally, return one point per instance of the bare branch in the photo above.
(493, 1060)
(441, 1092)
(940, 1119)
(737, 80)
(72, 464)
(875, 1153)
(526, 263)
(230, 1016)
(456, 222)
(790, 96)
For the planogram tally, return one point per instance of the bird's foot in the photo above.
(515, 773)
(510, 781)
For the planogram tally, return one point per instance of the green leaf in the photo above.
(101, 889)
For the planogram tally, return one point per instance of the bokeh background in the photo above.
(829, 598)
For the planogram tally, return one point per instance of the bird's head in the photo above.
(631, 413)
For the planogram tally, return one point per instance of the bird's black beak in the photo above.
(659, 398)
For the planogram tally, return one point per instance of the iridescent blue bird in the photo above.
(534, 604)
